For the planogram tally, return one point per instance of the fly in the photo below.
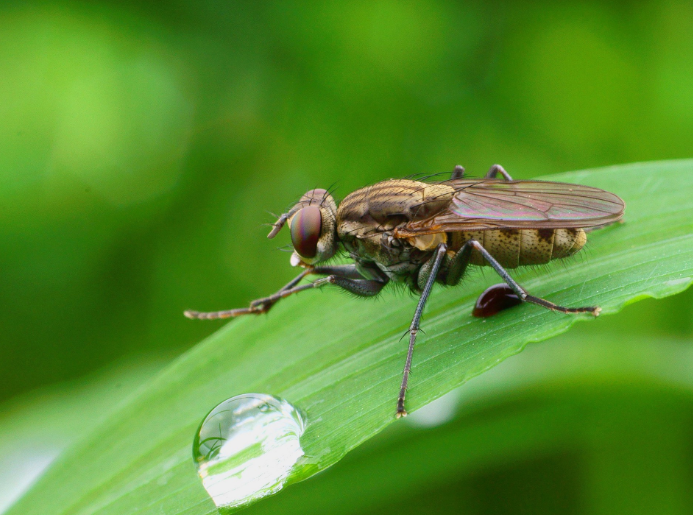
(420, 233)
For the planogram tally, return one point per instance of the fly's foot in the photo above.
(401, 412)
(216, 315)
(592, 310)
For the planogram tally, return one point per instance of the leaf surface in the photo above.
(340, 359)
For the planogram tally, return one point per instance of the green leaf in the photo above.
(340, 359)
(37, 426)
(579, 418)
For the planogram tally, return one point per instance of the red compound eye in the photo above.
(305, 231)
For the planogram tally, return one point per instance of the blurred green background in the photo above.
(142, 144)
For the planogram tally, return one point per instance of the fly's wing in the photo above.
(497, 204)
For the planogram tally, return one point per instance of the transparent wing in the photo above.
(498, 204)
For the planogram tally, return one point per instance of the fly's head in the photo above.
(313, 225)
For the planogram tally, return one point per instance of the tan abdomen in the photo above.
(513, 248)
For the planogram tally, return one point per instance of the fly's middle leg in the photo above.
(430, 275)
(461, 260)
(498, 169)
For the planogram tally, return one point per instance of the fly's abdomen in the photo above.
(540, 246)
(519, 247)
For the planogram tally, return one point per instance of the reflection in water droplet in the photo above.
(246, 447)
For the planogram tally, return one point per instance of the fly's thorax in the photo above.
(378, 248)
(390, 203)
(398, 259)
(365, 215)
(519, 247)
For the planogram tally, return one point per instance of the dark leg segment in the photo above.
(414, 327)
(498, 169)
(458, 265)
(360, 287)
(346, 271)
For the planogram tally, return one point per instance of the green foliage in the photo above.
(339, 359)
(142, 144)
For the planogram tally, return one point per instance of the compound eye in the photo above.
(305, 231)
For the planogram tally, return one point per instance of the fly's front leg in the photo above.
(361, 281)
(498, 169)
(345, 271)
(345, 276)
(263, 305)
(252, 310)
(430, 274)
(519, 290)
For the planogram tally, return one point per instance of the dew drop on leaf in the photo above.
(246, 447)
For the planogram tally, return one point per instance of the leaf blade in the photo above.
(347, 380)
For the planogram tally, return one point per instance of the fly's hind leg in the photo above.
(344, 276)
(498, 169)
(460, 261)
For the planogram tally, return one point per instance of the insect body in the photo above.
(420, 233)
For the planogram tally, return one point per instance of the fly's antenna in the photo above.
(277, 226)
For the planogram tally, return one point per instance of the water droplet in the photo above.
(246, 447)
(495, 299)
